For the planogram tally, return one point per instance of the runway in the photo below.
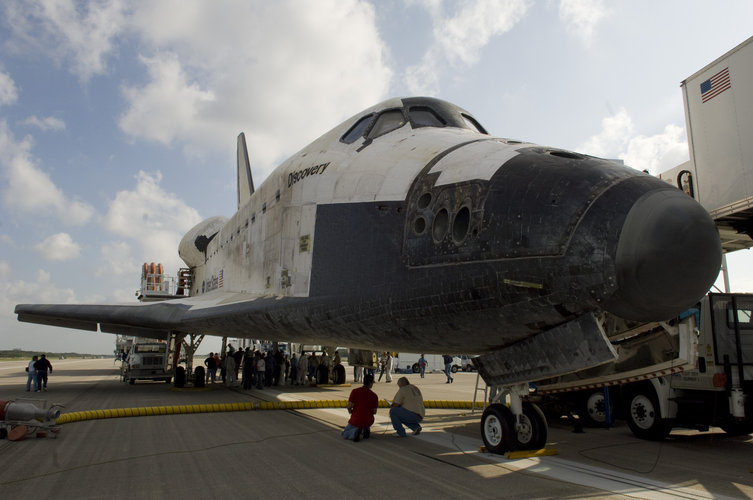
(299, 453)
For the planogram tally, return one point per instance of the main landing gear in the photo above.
(522, 426)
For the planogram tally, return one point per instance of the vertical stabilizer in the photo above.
(245, 181)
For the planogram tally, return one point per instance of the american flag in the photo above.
(221, 273)
(715, 85)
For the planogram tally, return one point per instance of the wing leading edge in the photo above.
(214, 313)
(152, 320)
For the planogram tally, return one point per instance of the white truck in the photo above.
(716, 390)
(434, 362)
(147, 360)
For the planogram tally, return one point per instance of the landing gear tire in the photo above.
(593, 409)
(338, 374)
(534, 429)
(644, 415)
(180, 377)
(198, 376)
(497, 429)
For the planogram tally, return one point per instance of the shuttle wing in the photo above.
(214, 313)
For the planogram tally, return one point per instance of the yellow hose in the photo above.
(80, 416)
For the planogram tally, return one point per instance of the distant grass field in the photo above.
(52, 356)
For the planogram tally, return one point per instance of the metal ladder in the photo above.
(475, 392)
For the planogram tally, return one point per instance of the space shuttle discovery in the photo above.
(409, 228)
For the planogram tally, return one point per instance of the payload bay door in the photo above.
(297, 249)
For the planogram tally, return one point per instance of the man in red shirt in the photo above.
(362, 406)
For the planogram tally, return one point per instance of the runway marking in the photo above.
(570, 471)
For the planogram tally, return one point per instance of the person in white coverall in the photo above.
(303, 369)
(229, 370)
(388, 367)
(32, 375)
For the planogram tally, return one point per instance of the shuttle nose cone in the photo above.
(668, 256)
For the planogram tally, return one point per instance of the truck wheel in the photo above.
(644, 415)
(592, 409)
(338, 374)
(180, 377)
(415, 368)
(497, 429)
(198, 376)
(534, 429)
(454, 369)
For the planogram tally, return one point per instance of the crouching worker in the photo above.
(407, 408)
(362, 406)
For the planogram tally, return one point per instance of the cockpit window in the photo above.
(387, 122)
(356, 130)
(472, 124)
(422, 116)
(420, 111)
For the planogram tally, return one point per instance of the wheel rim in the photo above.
(595, 407)
(525, 430)
(642, 412)
(493, 430)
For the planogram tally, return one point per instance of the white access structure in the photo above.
(719, 119)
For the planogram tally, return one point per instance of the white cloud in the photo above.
(121, 265)
(151, 218)
(166, 108)
(214, 72)
(459, 39)
(118, 260)
(618, 139)
(71, 32)
(8, 91)
(582, 16)
(44, 124)
(423, 79)
(5, 271)
(616, 131)
(41, 290)
(59, 246)
(31, 190)
(659, 152)
(462, 37)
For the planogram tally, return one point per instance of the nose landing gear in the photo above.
(522, 426)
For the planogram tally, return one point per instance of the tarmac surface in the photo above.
(299, 453)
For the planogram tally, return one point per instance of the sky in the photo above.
(118, 119)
